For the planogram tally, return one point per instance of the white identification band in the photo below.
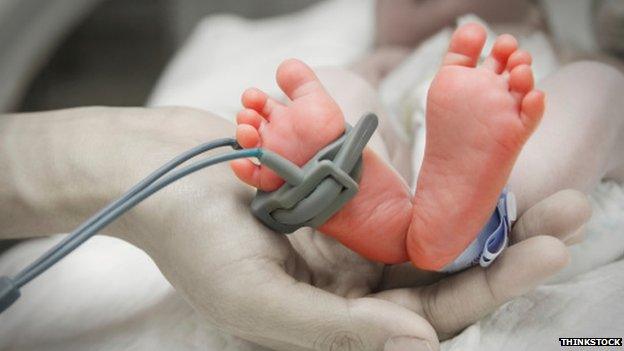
(492, 239)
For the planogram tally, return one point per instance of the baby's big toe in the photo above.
(466, 45)
(296, 79)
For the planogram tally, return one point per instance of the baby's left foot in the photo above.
(296, 131)
(375, 221)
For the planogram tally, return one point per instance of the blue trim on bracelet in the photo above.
(493, 238)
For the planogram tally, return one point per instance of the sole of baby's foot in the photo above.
(478, 118)
(296, 130)
(375, 221)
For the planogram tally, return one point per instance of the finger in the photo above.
(282, 313)
(462, 299)
(577, 237)
(406, 275)
(559, 215)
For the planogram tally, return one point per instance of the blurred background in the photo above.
(63, 53)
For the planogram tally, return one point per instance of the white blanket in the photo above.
(124, 303)
(227, 54)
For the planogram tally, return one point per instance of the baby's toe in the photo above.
(503, 48)
(246, 171)
(247, 136)
(251, 117)
(259, 101)
(269, 180)
(521, 81)
(519, 57)
(254, 99)
(532, 108)
(259, 177)
(466, 45)
(296, 79)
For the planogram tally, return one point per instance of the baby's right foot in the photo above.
(478, 119)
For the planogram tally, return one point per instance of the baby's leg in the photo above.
(581, 138)
(356, 96)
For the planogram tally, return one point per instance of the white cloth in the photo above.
(123, 302)
(227, 54)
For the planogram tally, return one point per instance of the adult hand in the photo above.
(304, 292)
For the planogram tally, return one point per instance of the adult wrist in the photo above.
(62, 166)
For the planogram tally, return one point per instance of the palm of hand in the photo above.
(333, 267)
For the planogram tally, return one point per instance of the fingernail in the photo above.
(406, 343)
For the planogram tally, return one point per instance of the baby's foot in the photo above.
(297, 130)
(374, 223)
(478, 119)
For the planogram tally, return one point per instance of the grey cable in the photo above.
(119, 208)
(9, 287)
(157, 174)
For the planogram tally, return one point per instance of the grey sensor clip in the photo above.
(316, 191)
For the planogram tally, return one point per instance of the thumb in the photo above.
(459, 300)
(390, 327)
(285, 314)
